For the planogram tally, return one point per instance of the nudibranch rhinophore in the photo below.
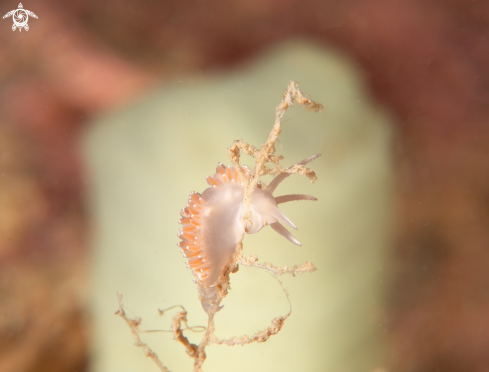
(212, 227)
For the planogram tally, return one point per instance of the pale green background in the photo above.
(145, 159)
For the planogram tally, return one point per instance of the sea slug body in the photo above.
(211, 225)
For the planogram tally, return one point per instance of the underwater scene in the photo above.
(245, 186)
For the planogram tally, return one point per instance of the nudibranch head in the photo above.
(211, 221)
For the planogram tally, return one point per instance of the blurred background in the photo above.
(84, 64)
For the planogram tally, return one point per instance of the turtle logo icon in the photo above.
(20, 17)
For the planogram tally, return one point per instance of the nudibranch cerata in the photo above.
(212, 227)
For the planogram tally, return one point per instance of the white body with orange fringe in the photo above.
(212, 228)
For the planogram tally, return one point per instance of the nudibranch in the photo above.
(212, 227)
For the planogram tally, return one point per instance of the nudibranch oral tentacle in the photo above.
(211, 226)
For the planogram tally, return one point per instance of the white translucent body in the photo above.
(222, 228)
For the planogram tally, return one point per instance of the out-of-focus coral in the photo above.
(42, 326)
(141, 161)
(23, 205)
(51, 78)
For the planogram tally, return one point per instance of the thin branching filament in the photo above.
(257, 208)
